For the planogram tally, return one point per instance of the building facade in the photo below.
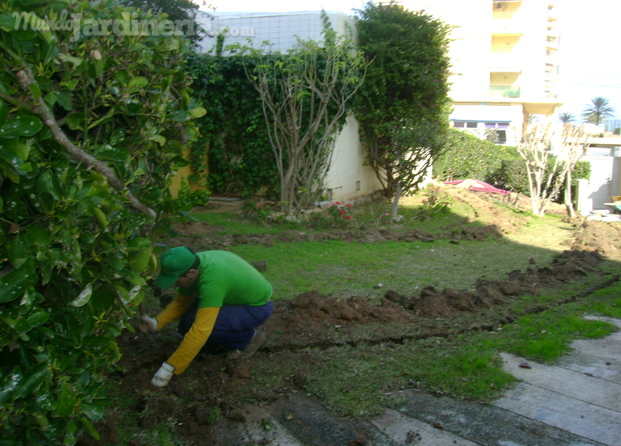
(504, 57)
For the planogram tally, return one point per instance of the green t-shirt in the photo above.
(227, 279)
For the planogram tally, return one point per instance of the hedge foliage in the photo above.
(234, 158)
(91, 129)
(501, 166)
(472, 157)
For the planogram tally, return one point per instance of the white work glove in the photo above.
(163, 375)
(147, 324)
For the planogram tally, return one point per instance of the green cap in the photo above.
(174, 263)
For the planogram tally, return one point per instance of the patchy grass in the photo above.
(466, 366)
(362, 378)
(344, 269)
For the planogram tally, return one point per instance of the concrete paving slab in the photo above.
(600, 358)
(312, 424)
(258, 428)
(485, 425)
(406, 430)
(566, 382)
(580, 393)
(569, 414)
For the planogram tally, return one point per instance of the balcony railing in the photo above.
(498, 91)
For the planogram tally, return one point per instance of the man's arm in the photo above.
(194, 339)
(174, 310)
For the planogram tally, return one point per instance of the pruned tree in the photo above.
(573, 145)
(304, 96)
(403, 105)
(545, 179)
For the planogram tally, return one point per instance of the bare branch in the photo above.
(26, 79)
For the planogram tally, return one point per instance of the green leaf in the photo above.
(138, 81)
(94, 412)
(80, 323)
(75, 61)
(42, 420)
(18, 252)
(50, 98)
(89, 427)
(107, 152)
(13, 152)
(22, 125)
(140, 253)
(66, 401)
(94, 68)
(179, 116)
(75, 120)
(100, 216)
(64, 99)
(198, 112)
(37, 236)
(10, 383)
(48, 183)
(115, 262)
(83, 297)
(36, 91)
(32, 378)
(38, 317)
(7, 22)
(3, 112)
(134, 107)
(15, 283)
(159, 139)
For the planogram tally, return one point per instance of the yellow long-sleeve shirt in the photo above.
(195, 338)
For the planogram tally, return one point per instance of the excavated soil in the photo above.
(211, 387)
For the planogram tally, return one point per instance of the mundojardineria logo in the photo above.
(129, 25)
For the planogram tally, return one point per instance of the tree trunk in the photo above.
(395, 202)
(567, 198)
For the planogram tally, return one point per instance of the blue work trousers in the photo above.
(235, 325)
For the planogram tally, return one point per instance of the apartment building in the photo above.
(504, 56)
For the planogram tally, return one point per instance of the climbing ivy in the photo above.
(235, 145)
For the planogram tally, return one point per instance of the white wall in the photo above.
(603, 182)
(348, 178)
(280, 29)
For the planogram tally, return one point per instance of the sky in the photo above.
(589, 55)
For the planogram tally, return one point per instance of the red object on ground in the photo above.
(476, 185)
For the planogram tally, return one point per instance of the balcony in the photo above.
(501, 91)
(507, 62)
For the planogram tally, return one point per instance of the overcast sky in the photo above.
(590, 57)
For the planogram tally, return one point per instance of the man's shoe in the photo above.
(248, 352)
(255, 344)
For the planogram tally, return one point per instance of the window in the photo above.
(501, 130)
(465, 124)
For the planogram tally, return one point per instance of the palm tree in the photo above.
(566, 118)
(597, 111)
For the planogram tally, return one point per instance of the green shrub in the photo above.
(241, 160)
(89, 129)
(188, 198)
(472, 157)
